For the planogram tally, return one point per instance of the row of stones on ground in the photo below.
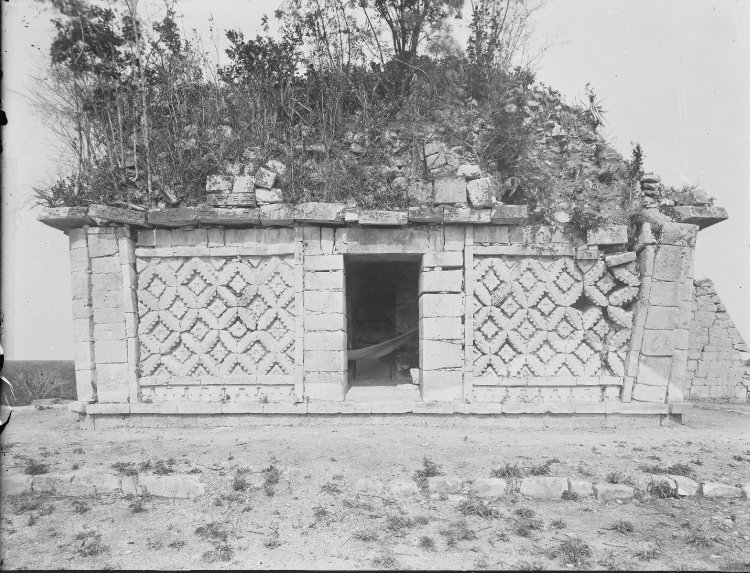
(553, 488)
(93, 482)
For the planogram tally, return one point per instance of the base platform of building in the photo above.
(187, 414)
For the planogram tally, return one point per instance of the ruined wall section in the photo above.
(716, 368)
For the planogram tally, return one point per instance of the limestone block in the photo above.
(174, 486)
(466, 215)
(105, 265)
(14, 484)
(276, 215)
(442, 328)
(509, 214)
(678, 234)
(373, 241)
(46, 483)
(331, 391)
(94, 482)
(672, 263)
(102, 245)
(106, 214)
(544, 487)
(433, 305)
(265, 178)
(450, 190)
(325, 302)
(178, 217)
(645, 393)
(685, 486)
(714, 490)
(469, 171)
(664, 293)
(425, 214)
(623, 295)
(492, 235)
(112, 382)
(480, 192)
(746, 490)
(582, 488)
(383, 218)
(324, 262)
(333, 280)
(219, 183)
(84, 384)
(326, 213)
(654, 370)
(445, 484)
(110, 351)
(439, 354)
(421, 192)
(703, 216)
(327, 241)
(268, 196)
(108, 331)
(441, 281)
(663, 317)
(325, 360)
(325, 340)
(620, 258)
(490, 487)
(328, 321)
(608, 235)
(442, 385)
(454, 238)
(612, 491)
(444, 259)
(658, 343)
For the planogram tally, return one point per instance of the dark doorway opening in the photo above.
(382, 294)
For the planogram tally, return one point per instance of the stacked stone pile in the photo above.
(690, 205)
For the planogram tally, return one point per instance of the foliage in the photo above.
(345, 94)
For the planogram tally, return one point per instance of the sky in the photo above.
(673, 75)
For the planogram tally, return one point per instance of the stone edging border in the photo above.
(186, 486)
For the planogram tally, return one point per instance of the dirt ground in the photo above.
(315, 518)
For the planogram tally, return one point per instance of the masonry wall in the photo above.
(717, 354)
(507, 314)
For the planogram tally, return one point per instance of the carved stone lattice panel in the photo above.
(216, 317)
(550, 316)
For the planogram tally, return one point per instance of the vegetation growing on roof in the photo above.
(349, 96)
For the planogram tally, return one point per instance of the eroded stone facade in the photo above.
(246, 306)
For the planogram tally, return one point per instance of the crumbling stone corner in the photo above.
(657, 364)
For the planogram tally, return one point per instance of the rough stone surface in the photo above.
(265, 178)
(480, 192)
(582, 488)
(612, 491)
(450, 190)
(425, 214)
(404, 488)
(14, 484)
(543, 487)
(509, 214)
(268, 196)
(703, 216)
(176, 486)
(685, 486)
(96, 482)
(319, 212)
(383, 218)
(490, 487)
(369, 486)
(610, 235)
(444, 484)
(713, 490)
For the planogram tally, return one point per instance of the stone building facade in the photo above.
(217, 310)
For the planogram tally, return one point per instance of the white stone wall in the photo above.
(717, 353)
(232, 315)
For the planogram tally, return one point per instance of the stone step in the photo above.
(383, 393)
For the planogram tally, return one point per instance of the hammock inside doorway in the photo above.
(381, 348)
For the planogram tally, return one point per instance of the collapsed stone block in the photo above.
(450, 190)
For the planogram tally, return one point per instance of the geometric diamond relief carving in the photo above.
(527, 319)
(216, 316)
